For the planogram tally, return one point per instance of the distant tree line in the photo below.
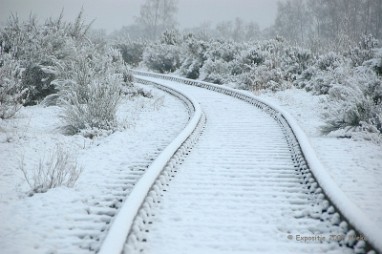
(158, 16)
(322, 23)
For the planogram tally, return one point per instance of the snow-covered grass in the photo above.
(74, 220)
(355, 164)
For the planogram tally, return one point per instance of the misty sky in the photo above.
(113, 14)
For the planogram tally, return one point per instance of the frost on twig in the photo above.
(58, 170)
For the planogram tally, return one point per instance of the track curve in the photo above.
(249, 190)
(141, 197)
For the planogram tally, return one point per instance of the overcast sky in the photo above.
(113, 14)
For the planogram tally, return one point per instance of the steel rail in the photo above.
(319, 181)
(144, 189)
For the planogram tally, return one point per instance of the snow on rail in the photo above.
(351, 213)
(123, 221)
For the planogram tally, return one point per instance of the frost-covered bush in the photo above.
(375, 63)
(221, 62)
(170, 38)
(305, 79)
(364, 50)
(354, 90)
(230, 51)
(269, 78)
(162, 58)
(44, 50)
(253, 56)
(329, 61)
(132, 52)
(194, 57)
(128, 77)
(356, 103)
(77, 82)
(321, 74)
(295, 61)
(58, 170)
(36, 79)
(191, 68)
(91, 97)
(216, 71)
(97, 112)
(11, 93)
(355, 115)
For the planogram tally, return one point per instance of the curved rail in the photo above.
(123, 221)
(317, 178)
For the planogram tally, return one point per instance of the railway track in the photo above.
(240, 178)
(89, 230)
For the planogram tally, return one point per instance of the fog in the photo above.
(113, 14)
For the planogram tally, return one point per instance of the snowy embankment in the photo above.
(75, 220)
(355, 164)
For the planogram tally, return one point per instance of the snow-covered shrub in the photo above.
(253, 56)
(191, 68)
(373, 90)
(132, 52)
(230, 51)
(221, 62)
(90, 90)
(375, 63)
(44, 50)
(37, 80)
(194, 57)
(98, 111)
(364, 50)
(128, 77)
(58, 170)
(355, 104)
(268, 78)
(170, 38)
(355, 96)
(247, 79)
(235, 67)
(304, 80)
(360, 115)
(328, 69)
(80, 74)
(295, 61)
(273, 50)
(78, 29)
(216, 71)
(11, 93)
(162, 58)
(329, 61)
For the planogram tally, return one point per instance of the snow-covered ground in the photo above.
(237, 191)
(355, 164)
(73, 220)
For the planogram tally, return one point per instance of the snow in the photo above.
(344, 200)
(353, 164)
(233, 195)
(75, 220)
(122, 223)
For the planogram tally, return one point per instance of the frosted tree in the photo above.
(330, 24)
(292, 21)
(252, 31)
(225, 29)
(374, 14)
(238, 30)
(157, 16)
